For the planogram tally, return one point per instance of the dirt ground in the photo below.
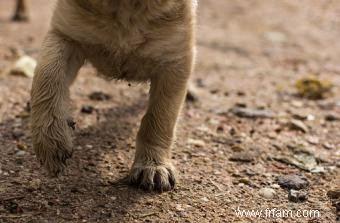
(250, 54)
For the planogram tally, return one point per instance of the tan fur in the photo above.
(20, 11)
(149, 40)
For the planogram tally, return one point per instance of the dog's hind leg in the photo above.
(59, 62)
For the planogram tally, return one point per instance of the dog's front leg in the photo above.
(59, 62)
(152, 168)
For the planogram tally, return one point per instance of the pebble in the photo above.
(334, 193)
(244, 157)
(313, 140)
(196, 142)
(328, 146)
(205, 199)
(298, 125)
(297, 196)
(332, 118)
(275, 186)
(268, 193)
(24, 66)
(191, 96)
(295, 182)
(17, 133)
(318, 169)
(20, 153)
(21, 146)
(87, 109)
(251, 113)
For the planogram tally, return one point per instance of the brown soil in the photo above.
(250, 53)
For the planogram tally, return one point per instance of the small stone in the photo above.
(99, 96)
(196, 142)
(34, 185)
(298, 125)
(313, 140)
(334, 193)
(24, 66)
(251, 113)
(237, 148)
(275, 186)
(292, 182)
(328, 146)
(23, 115)
(297, 196)
(297, 104)
(205, 199)
(332, 118)
(313, 88)
(89, 146)
(268, 193)
(244, 157)
(87, 109)
(20, 153)
(318, 169)
(191, 97)
(21, 146)
(17, 133)
(245, 181)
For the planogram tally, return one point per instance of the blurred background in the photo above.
(263, 109)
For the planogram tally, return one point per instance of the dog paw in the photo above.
(54, 160)
(53, 147)
(161, 177)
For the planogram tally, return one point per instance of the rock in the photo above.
(313, 88)
(295, 182)
(245, 181)
(21, 146)
(87, 109)
(318, 169)
(251, 113)
(268, 193)
(297, 196)
(313, 140)
(192, 95)
(334, 193)
(275, 186)
(24, 66)
(332, 118)
(99, 96)
(298, 125)
(196, 142)
(244, 157)
(20, 153)
(17, 133)
(23, 115)
(205, 199)
(303, 161)
(329, 146)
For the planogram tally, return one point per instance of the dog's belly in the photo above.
(133, 49)
(120, 65)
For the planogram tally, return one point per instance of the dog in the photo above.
(20, 13)
(142, 41)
